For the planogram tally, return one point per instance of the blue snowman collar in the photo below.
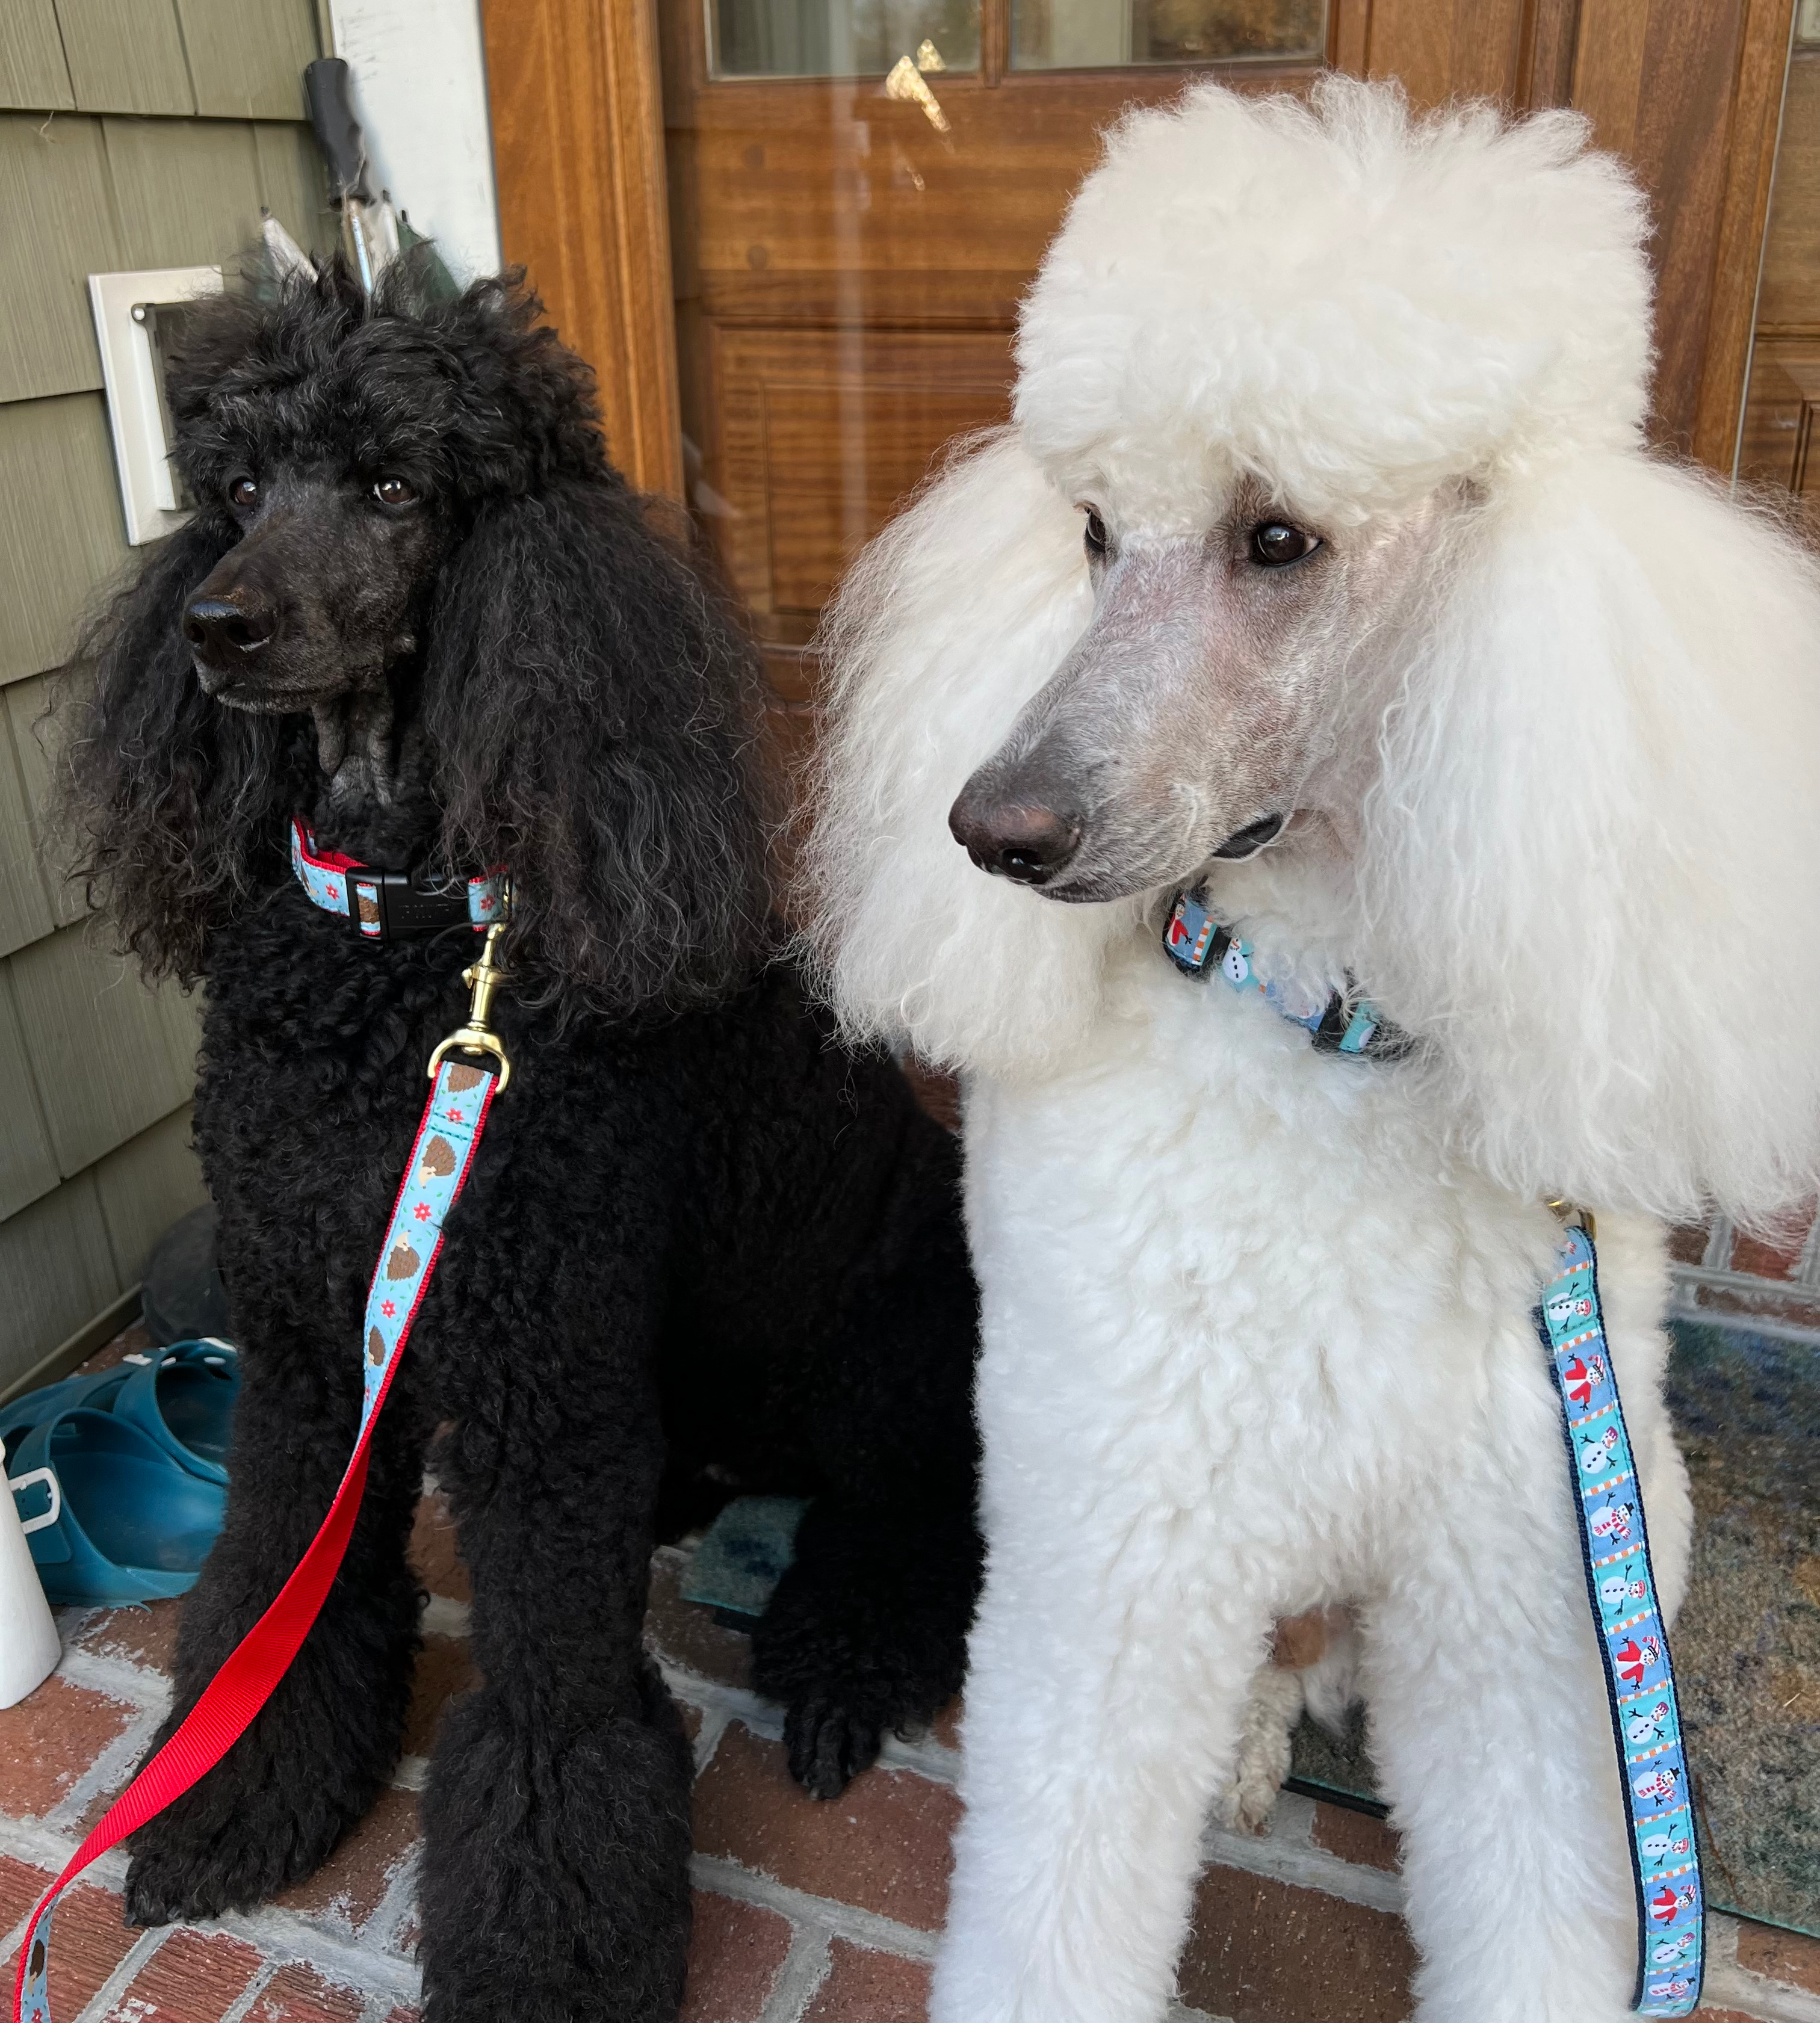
(1200, 943)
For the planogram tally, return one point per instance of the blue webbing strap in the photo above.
(1639, 1677)
(1198, 942)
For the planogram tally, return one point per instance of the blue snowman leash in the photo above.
(1633, 1641)
(1608, 1502)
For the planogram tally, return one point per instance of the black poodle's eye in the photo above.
(242, 493)
(1276, 544)
(394, 491)
(1097, 543)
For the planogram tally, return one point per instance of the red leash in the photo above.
(438, 1167)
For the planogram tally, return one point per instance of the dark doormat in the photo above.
(1747, 1645)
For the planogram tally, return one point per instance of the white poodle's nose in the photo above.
(1017, 839)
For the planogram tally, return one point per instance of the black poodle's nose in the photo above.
(1017, 839)
(234, 625)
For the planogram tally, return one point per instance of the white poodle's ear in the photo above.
(950, 621)
(1592, 869)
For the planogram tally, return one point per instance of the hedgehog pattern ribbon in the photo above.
(439, 1164)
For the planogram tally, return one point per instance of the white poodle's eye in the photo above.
(393, 490)
(242, 493)
(1096, 540)
(1276, 544)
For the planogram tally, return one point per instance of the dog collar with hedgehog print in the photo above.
(1342, 1023)
(391, 905)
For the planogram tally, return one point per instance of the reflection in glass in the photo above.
(840, 37)
(1094, 35)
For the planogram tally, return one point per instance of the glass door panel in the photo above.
(779, 39)
(860, 191)
(1078, 34)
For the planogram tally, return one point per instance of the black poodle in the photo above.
(418, 607)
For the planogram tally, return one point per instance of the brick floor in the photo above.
(191, 1978)
(49, 1739)
(1354, 1836)
(299, 1994)
(1787, 1957)
(882, 1988)
(1266, 1951)
(733, 1959)
(882, 1845)
(144, 1635)
(804, 1913)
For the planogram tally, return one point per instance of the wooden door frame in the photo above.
(577, 103)
(578, 159)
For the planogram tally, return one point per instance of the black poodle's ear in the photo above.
(595, 715)
(164, 799)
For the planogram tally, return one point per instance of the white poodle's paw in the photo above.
(1272, 1710)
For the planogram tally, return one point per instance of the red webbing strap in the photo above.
(251, 1673)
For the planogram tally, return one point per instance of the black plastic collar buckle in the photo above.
(402, 909)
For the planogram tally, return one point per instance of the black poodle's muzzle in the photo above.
(311, 601)
(229, 630)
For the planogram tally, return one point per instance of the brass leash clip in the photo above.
(1569, 1214)
(483, 977)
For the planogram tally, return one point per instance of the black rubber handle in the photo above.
(338, 133)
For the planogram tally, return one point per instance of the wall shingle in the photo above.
(126, 56)
(28, 1167)
(62, 536)
(57, 1273)
(60, 229)
(108, 1063)
(152, 159)
(246, 62)
(186, 191)
(32, 65)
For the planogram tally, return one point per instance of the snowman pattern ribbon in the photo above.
(1633, 1642)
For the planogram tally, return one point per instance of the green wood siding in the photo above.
(25, 911)
(293, 186)
(62, 536)
(33, 732)
(110, 1059)
(55, 198)
(126, 56)
(186, 191)
(174, 122)
(28, 1166)
(246, 60)
(57, 1271)
(31, 67)
(144, 1187)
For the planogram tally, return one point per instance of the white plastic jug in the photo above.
(29, 1649)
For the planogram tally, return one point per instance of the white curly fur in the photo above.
(1350, 307)
(1256, 1321)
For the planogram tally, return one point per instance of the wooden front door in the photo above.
(791, 235)
(859, 193)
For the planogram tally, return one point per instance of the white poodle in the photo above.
(1389, 628)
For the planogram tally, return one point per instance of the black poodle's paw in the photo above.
(230, 1848)
(830, 1741)
(852, 1662)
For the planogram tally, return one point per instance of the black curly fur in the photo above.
(696, 1231)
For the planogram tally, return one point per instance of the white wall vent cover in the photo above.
(136, 315)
